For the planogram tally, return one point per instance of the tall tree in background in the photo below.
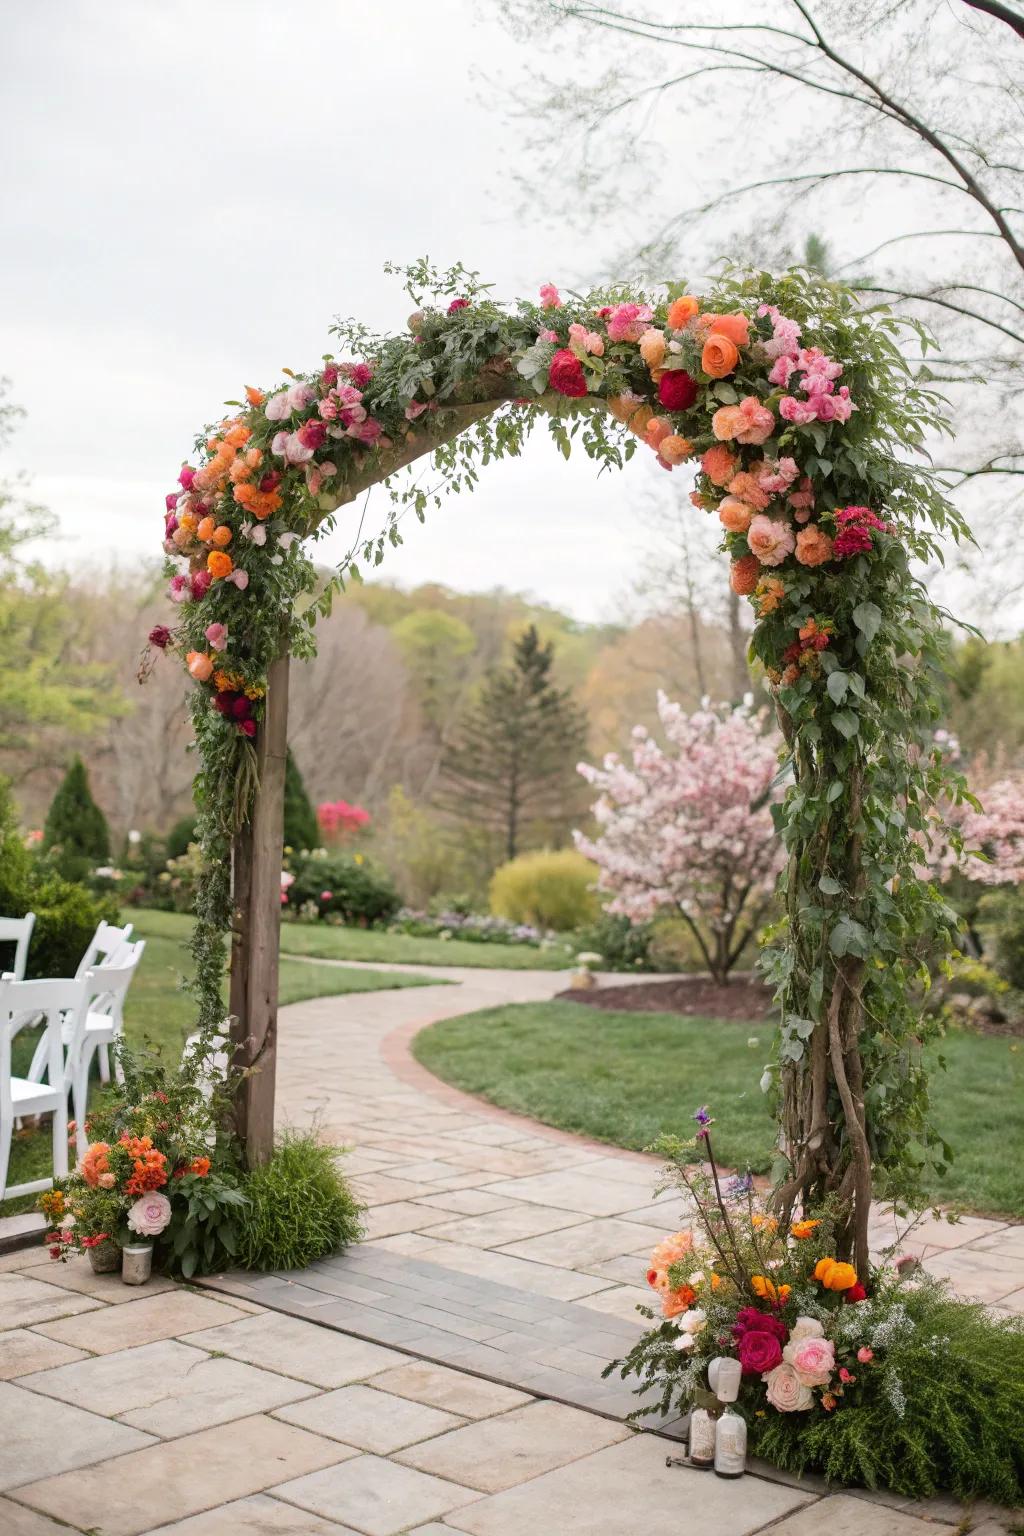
(512, 766)
(300, 823)
(76, 829)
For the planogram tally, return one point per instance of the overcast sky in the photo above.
(194, 189)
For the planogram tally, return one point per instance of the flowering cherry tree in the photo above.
(688, 829)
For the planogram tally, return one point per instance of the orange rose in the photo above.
(735, 327)
(747, 487)
(767, 1290)
(200, 665)
(237, 436)
(221, 536)
(813, 546)
(623, 407)
(652, 347)
(802, 1229)
(719, 357)
(205, 529)
(658, 428)
(728, 422)
(219, 564)
(674, 449)
(674, 1302)
(835, 1276)
(719, 464)
(639, 420)
(734, 515)
(745, 574)
(681, 310)
(253, 395)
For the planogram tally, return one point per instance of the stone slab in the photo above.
(471, 1397)
(573, 1189)
(259, 1515)
(844, 1515)
(586, 1244)
(380, 1498)
(139, 1322)
(293, 1347)
(17, 1520)
(42, 1437)
(369, 1419)
(76, 1274)
(26, 1301)
(22, 1350)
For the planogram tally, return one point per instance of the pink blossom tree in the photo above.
(688, 828)
(995, 830)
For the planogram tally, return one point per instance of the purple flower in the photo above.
(704, 1120)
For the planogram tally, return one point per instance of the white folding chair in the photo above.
(108, 946)
(98, 1025)
(17, 931)
(22, 1002)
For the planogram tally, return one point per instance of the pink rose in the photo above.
(239, 577)
(785, 1391)
(757, 422)
(770, 540)
(781, 371)
(799, 412)
(179, 589)
(826, 407)
(186, 477)
(550, 298)
(814, 1360)
(627, 322)
(106, 1181)
(217, 635)
(865, 1355)
(150, 1214)
(277, 407)
(299, 396)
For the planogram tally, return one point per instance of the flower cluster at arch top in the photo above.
(739, 393)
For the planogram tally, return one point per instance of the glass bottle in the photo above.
(702, 1439)
(730, 1444)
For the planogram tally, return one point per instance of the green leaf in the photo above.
(835, 789)
(868, 618)
(837, 684)
(830, 886)
(845, 722)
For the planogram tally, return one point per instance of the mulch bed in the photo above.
(744, 998)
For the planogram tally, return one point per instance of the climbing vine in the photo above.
(808, 429)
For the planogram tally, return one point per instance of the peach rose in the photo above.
(719, 356)
(770, 540)
(671, 1249)
(675, 449)
(200, 665)
(658, 428)
(625, 406)
(221, 536)
(681, 310)
(735, 327)
(640, 420)
(219, 564)
(734, 515)
(719, 464)
(745, 574)
(813, 546)
(675, 1302)
(652, 347)
(785, 1391)
(814, 1360)
(205, 529)
(747, 487)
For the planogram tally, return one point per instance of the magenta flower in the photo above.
(456, 305)
(179, 590)
(159, 636)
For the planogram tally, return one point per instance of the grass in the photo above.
(624, 1078)
(159, 1014)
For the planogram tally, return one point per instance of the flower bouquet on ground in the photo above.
(889, 1381)
(157, 1170)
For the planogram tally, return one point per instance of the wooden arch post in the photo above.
(258, 846)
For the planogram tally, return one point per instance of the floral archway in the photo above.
(803, 419)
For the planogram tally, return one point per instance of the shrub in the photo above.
(1005, 911)
(300, 826)
(623, 945)
(178, 838)
(76, 831)
(549, 890)
(300, 1206)
(345, 886)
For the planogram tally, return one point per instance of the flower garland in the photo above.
(799, 410)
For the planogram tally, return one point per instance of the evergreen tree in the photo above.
(300, 824)
(512, 766)
(75, 827)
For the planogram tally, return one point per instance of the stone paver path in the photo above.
(443, 1376)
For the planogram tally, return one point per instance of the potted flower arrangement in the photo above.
(156, 1174)
(884, 1380)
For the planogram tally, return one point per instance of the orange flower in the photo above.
(205, 529)
(809, 630)
(802, 1229)
(767, 1290)
(719, 356)
(671, 1249)
(674, 1302)
(734, 327)
(200, 1166)
(253, 395)
(681, 310)
(658, 428)
(221, 536)
(188, 522)
(239, 471)
(95, 1163)
(200, 665)
(219, 564)
(745, 574)
(675, 449)
(768, 596)
(747, 487)
(758, 1220)
(261, 504)
(719, 464)
(640, 420)
(835, 1276)
(734, 515)
(813, 546)
(624, 407)
(238, 435)
(652, 347)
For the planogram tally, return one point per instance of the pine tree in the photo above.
(512, 765)
(76, 829)
(300, 824)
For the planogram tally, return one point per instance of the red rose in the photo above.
(456, 305)
(759, 1351)
(566, 374)
(750, 1320)
(676, 390)
(329, 377)
(855, 1293)
(248, 727)
(159, 636)
(313, 434)
(200, 585)
(241, 707)
(222, 703)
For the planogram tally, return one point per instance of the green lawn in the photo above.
(159, 1013)
(403, 949)
(624, 1078)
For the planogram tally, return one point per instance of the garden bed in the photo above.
(693, 996)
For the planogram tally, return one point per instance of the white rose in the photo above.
(785, 1391)
(694, 1321)
(150, 1214)
(685, 1341)
(806, 1328)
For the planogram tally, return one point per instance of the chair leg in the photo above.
(37, 1071)
(60, 1139)
(80, 1098)
(118, 1069)
(6, 1131)
(104, 1065)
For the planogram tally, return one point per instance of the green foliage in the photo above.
(435, 646)
(512, 766)
(549, 890)
(66, 913)
(1004, 910)
(180, 836)
(623, 945)
(943, 1416)
(300, 824)
(300, 1206)
(204, 1231)
(343, 886)
(76, 832)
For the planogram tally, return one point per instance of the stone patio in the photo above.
(444, 1376)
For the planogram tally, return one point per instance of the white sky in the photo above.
(194, 189)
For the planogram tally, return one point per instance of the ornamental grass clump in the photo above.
(301, 1207)
(893, 1383)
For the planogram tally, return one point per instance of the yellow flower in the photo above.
(834, 1276)
(803, 1228)
(767, 1290)
(768, 1222)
